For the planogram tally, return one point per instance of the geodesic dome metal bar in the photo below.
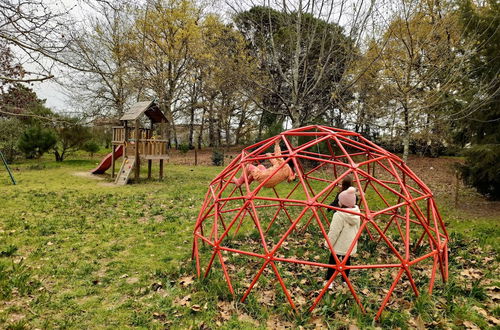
(341, 162)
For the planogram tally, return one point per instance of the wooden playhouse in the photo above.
(142, 138)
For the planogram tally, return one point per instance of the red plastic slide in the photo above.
(106, 162)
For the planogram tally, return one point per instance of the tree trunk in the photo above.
(294, 139)
(406, 136)
(191, 116)
(200, 134)
(241, 122)
(261, 125)
(59, 156)
(212, 139)
(174, 130)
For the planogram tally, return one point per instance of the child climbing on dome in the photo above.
(343, 230)
(346, 183)
(261, 173)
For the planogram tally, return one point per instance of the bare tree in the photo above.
(37, 32)
(99, 80)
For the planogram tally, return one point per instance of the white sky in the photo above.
(49, 89)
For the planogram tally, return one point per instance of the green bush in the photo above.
(35, 141)
(91, 147)
(184, 148)
(11, 129)
(218, 158)
(481, 169)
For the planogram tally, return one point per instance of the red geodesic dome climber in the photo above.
(274, 231)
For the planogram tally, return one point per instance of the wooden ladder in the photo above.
(125, 170)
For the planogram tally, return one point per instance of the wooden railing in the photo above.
(147, 148)
(119, 134)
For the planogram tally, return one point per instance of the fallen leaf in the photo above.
(196, 308)
(480, 310)
(159, 316)
(275, 323)
(185, 301)
(267, 297)
(186, 281)
(493, 292)
(493, 320)
(300, 300)
(470, 325)
(420, 324)
(317, 322)
(156, 286)
(472, 273)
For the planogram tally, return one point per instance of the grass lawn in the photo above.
(76, 252)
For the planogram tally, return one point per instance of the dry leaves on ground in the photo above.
(493, 292)
(184, 301)
(472, 273)
(225, 309)
(276, 323)
(186, 281)
(470, 325)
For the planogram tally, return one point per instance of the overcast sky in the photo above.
(49, 89)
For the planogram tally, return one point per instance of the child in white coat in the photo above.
(343, 230)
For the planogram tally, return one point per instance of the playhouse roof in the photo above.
(149, 108)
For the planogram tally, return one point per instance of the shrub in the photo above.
(218, 158)
(184, 148)
(11, 129)
(35, 141)
(91, 147)
(424, 147)
(481, 169)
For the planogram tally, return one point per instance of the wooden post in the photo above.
(457, 180)
(195, 157)
(137, 160)
(161, 169)
(149, 168)
(112, 160)
(125, 140)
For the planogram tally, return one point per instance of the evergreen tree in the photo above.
(482, 129)
(36, 141)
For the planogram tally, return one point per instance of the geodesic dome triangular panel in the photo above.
(274, 231)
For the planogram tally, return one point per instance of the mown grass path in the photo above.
(79, 253)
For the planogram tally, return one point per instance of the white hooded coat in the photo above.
(343, 230)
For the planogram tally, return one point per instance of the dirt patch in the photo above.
(88, 175)
(203, 157)
(439, 174)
